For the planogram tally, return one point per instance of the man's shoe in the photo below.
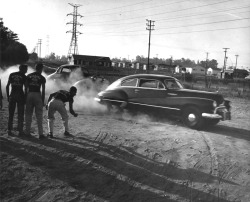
(50, 135)
(66, 133)
(42, 137)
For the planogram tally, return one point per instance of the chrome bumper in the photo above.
(97, 99)
(219, 113)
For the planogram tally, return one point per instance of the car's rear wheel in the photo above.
(113, 108)
(192, 117)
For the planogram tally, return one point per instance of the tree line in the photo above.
(169, 61)
(12, 52)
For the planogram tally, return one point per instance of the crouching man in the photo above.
(56, 102)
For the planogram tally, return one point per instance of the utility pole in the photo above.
(150, 27)
(206, 83)
(73, 48)
(225, 61)
(39, 44)
(47, 46)
(236, 61)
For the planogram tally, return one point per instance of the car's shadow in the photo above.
(230, 131)
(219, 129)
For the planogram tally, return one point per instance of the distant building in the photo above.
(198, 70)
(166, 67)
(89, 60)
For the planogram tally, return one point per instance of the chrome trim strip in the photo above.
(113, 100)
(144, 104)
(211, 116)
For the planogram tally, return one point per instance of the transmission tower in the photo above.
(39, 44)
(73, 48)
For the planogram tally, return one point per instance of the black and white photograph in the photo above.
(125, 101)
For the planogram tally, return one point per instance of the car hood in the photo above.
(51, 76)
(200, 94)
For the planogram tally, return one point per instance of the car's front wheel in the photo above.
(192, 117)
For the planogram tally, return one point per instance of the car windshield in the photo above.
(114, 85)
(172, 84)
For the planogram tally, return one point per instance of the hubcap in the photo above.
(191, 117)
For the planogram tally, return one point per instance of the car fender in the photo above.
(119, 95)
(204, 104)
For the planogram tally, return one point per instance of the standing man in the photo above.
(1, 96)
(56, 102)
(16, 97)
(35, 99)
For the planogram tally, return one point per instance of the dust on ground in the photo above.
(123, 158)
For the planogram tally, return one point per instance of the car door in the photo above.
(152, 93)
(128, 86)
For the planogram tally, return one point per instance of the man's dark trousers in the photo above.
(19, 101)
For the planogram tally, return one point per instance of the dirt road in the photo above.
(124, 158)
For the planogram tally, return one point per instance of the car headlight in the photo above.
(214, 104)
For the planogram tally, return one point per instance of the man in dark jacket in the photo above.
(35, 99)
(56, 102)
(16, 97)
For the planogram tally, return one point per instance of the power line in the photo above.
(183, 32)
(137, 9)
(205, 30)
(198, 14)
(143, 2)
(205, 23)
(144, 16)
(181, 26)
(178, 17)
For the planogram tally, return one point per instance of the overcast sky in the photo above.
(117, 28)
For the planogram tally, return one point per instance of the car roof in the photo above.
(148, 76)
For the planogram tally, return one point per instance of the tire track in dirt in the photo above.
(191, 174)
(27, 147)
(221, 167)
(212, 153)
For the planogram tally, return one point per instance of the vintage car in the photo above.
(78, 76)
(69, 73)
(165, 95)
(94, 84)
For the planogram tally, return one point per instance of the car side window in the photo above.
(129, 82)
(66, 70)
(144, 83)
(171, 84)
(161, 86)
